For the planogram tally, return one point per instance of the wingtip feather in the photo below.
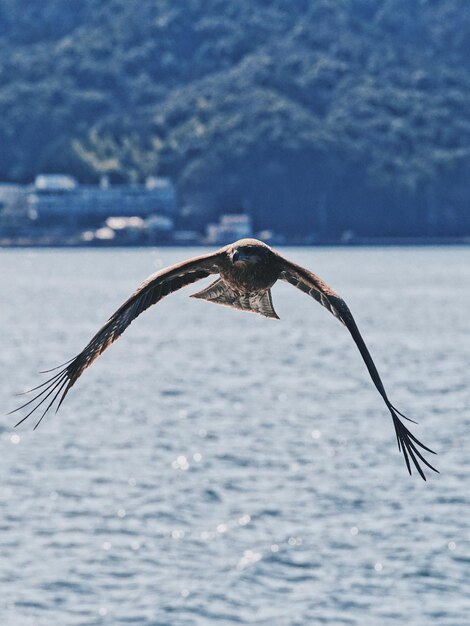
(406, 445)
(52, 387)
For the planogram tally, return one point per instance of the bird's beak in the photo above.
(242, 257)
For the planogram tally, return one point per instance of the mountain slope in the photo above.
(322, 115)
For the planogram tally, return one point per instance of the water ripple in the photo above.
(218, 468)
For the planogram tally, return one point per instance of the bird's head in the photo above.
(248, 252)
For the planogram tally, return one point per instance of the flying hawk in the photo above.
(247, 270)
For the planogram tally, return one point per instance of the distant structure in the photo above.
(57, 200)
(55, 182)
(131, 230)
(14, 209)
(10, 196)
(230, 228)
(57, 210)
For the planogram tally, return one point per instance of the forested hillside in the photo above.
(313, 115)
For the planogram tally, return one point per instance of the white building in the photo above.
(230, 228)
(58, 200)
(14, 209)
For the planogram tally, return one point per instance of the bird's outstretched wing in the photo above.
(312, 285)
(151, 291)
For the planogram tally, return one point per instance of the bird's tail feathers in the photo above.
(255, 302)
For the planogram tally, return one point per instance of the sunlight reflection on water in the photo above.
(215, 467)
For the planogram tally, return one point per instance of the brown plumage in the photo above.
(247, 270)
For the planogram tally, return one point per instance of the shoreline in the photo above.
(358, 242)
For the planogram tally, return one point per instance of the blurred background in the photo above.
(314, 120)
(212, 467)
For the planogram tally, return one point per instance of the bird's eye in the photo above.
(235, 256)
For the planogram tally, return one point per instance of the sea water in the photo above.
(217, 467)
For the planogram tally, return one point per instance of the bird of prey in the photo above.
(247, 270)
